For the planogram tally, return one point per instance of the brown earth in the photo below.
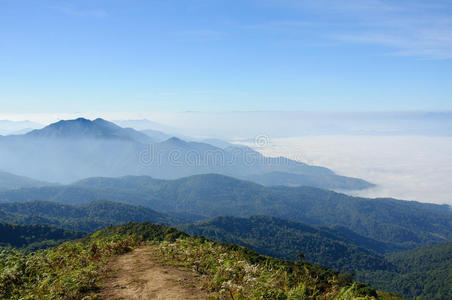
(140, 275)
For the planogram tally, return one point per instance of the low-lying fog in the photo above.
(405, 167)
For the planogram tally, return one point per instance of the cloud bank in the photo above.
(404, 167)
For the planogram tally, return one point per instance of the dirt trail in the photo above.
(139, 275)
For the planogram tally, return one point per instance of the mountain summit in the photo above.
(71, 150)
(84, 128)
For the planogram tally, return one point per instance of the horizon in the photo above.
(406, 160)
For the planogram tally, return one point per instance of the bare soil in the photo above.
(140, 275)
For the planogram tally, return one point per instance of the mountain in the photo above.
(156, 135)
(83, 128)
(10, 181)
(326, 181)
(396, 224)
(424, 273)
(286, 240)
(72, 150)
(175, 158)
(32, 237)
(76, 269)
(88, 217)
(17, 127)
(67, 151)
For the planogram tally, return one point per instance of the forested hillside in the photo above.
(88, 217)
(341, 232)
(32, 237)
(73, 269)
(287, 240)
(424, 273)
(397, 224)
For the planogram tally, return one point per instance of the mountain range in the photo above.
(88, 217)
(10, 181)
(421, 273)
(110, 175)
(330, 247)
(395, 223)
(67, 151)
(8, 127)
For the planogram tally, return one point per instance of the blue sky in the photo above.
(225, 55)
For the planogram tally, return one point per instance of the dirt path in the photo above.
(139, 275)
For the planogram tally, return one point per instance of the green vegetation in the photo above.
(423, 273)
(33, 237)
(87, 217)
(285, 239)
(68, 271)
(397, 225)
(239, 273)
(361, 236)
(73, 270)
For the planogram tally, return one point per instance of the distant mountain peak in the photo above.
(84, 128)
(175, 141)
(102, 121)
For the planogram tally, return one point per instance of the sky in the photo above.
(225, 55)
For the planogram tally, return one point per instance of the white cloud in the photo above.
(404, 167)
(410, 28)
(72, 10)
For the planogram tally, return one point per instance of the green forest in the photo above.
(73, 269)
(393, 245)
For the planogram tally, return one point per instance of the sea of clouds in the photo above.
(404, 167)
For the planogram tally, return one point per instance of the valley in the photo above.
(288, 212)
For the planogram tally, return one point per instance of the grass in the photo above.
(73, 270)
(233, 272)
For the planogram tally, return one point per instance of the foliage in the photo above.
(72, 270)
(423, 273)
(68, 271)
(238, 273)
(285, 239)
(398, 225)
(33, 237)
(87, 217)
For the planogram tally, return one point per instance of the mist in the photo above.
(404, 167)
(406, 154)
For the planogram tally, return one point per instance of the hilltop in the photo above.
(225, 270)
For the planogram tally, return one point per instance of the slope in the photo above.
(285, 239)
(423, 273)
(71, 150)
(398, 224)
(88, 217)
(10, 181)
(32, 237)
(227, 270)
